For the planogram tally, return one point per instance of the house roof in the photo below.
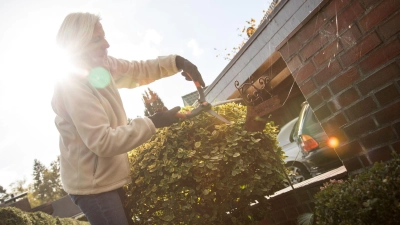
(64, 207)
(22, 204)
(259, 52)
(46, 208)
(190, 99)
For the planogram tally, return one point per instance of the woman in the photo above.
(94, 134)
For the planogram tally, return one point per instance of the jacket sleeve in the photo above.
(78, 106)
(131, 74)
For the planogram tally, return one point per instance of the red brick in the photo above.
(278, 203)
(360, 109)
(345, 80)
(378, 137)
(279, 215)
(310, 28)
(291, 200)
(289, 222)
(379, 13)
(382, 154)
(349, 150)
(396, 147)
(304, 73)
(312, 47)
(325, 93)
(266, 221)
(308, 87)
(291, 213)
(326, 74)
(328, 53)
(387, 95)
(303, 208)
(352, 164)
(381, 56)
(344, 99)
(312, 191)
(292, 46)
(350, 37)
(369, 3)
(396, 127)
(334, 7)
(340, 135)
(334, 123)
(329, 31)
(315, 100)
(360, 127)
(302, 196)
(294, 64)
(364, 160)
(360, 49)
(388, 114)
(379, 78)
(322, 113)
(348, 16)
(391, 27)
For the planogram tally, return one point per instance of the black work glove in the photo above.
(165, 118)
(188, 67)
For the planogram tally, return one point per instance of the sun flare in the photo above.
(60, 65)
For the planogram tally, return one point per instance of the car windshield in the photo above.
(311, 124)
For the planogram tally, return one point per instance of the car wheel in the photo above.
(297, 173)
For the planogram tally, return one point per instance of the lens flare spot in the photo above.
(333, 142)
(99, 77)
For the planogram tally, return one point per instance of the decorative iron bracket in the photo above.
(250, 93)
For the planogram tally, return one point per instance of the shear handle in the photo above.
(200, 90)
(202, 100)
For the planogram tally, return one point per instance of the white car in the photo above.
(305, 145)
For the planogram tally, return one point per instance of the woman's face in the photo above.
(96, 50)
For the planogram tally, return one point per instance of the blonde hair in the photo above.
(76, 32)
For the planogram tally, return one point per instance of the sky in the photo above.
(136, 30)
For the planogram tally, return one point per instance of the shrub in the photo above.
(371, 197)
(200, 171)
(14, 216)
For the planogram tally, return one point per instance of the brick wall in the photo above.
(346, 61)
(288, 204)
(286, 208)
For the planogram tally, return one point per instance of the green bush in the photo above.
(371, 197)
(201, 171)
(14, 216)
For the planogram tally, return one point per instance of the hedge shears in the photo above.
(203, 106)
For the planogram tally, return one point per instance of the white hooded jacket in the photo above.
(91, 120)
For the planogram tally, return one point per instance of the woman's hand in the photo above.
(165, 118)
(189, 68)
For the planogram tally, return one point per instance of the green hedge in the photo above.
(202, 171)
(371, 197)
(14, 216)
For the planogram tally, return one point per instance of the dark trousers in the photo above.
(104, 208)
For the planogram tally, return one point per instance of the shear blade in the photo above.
(216, 115)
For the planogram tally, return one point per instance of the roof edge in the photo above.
(259, 30)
